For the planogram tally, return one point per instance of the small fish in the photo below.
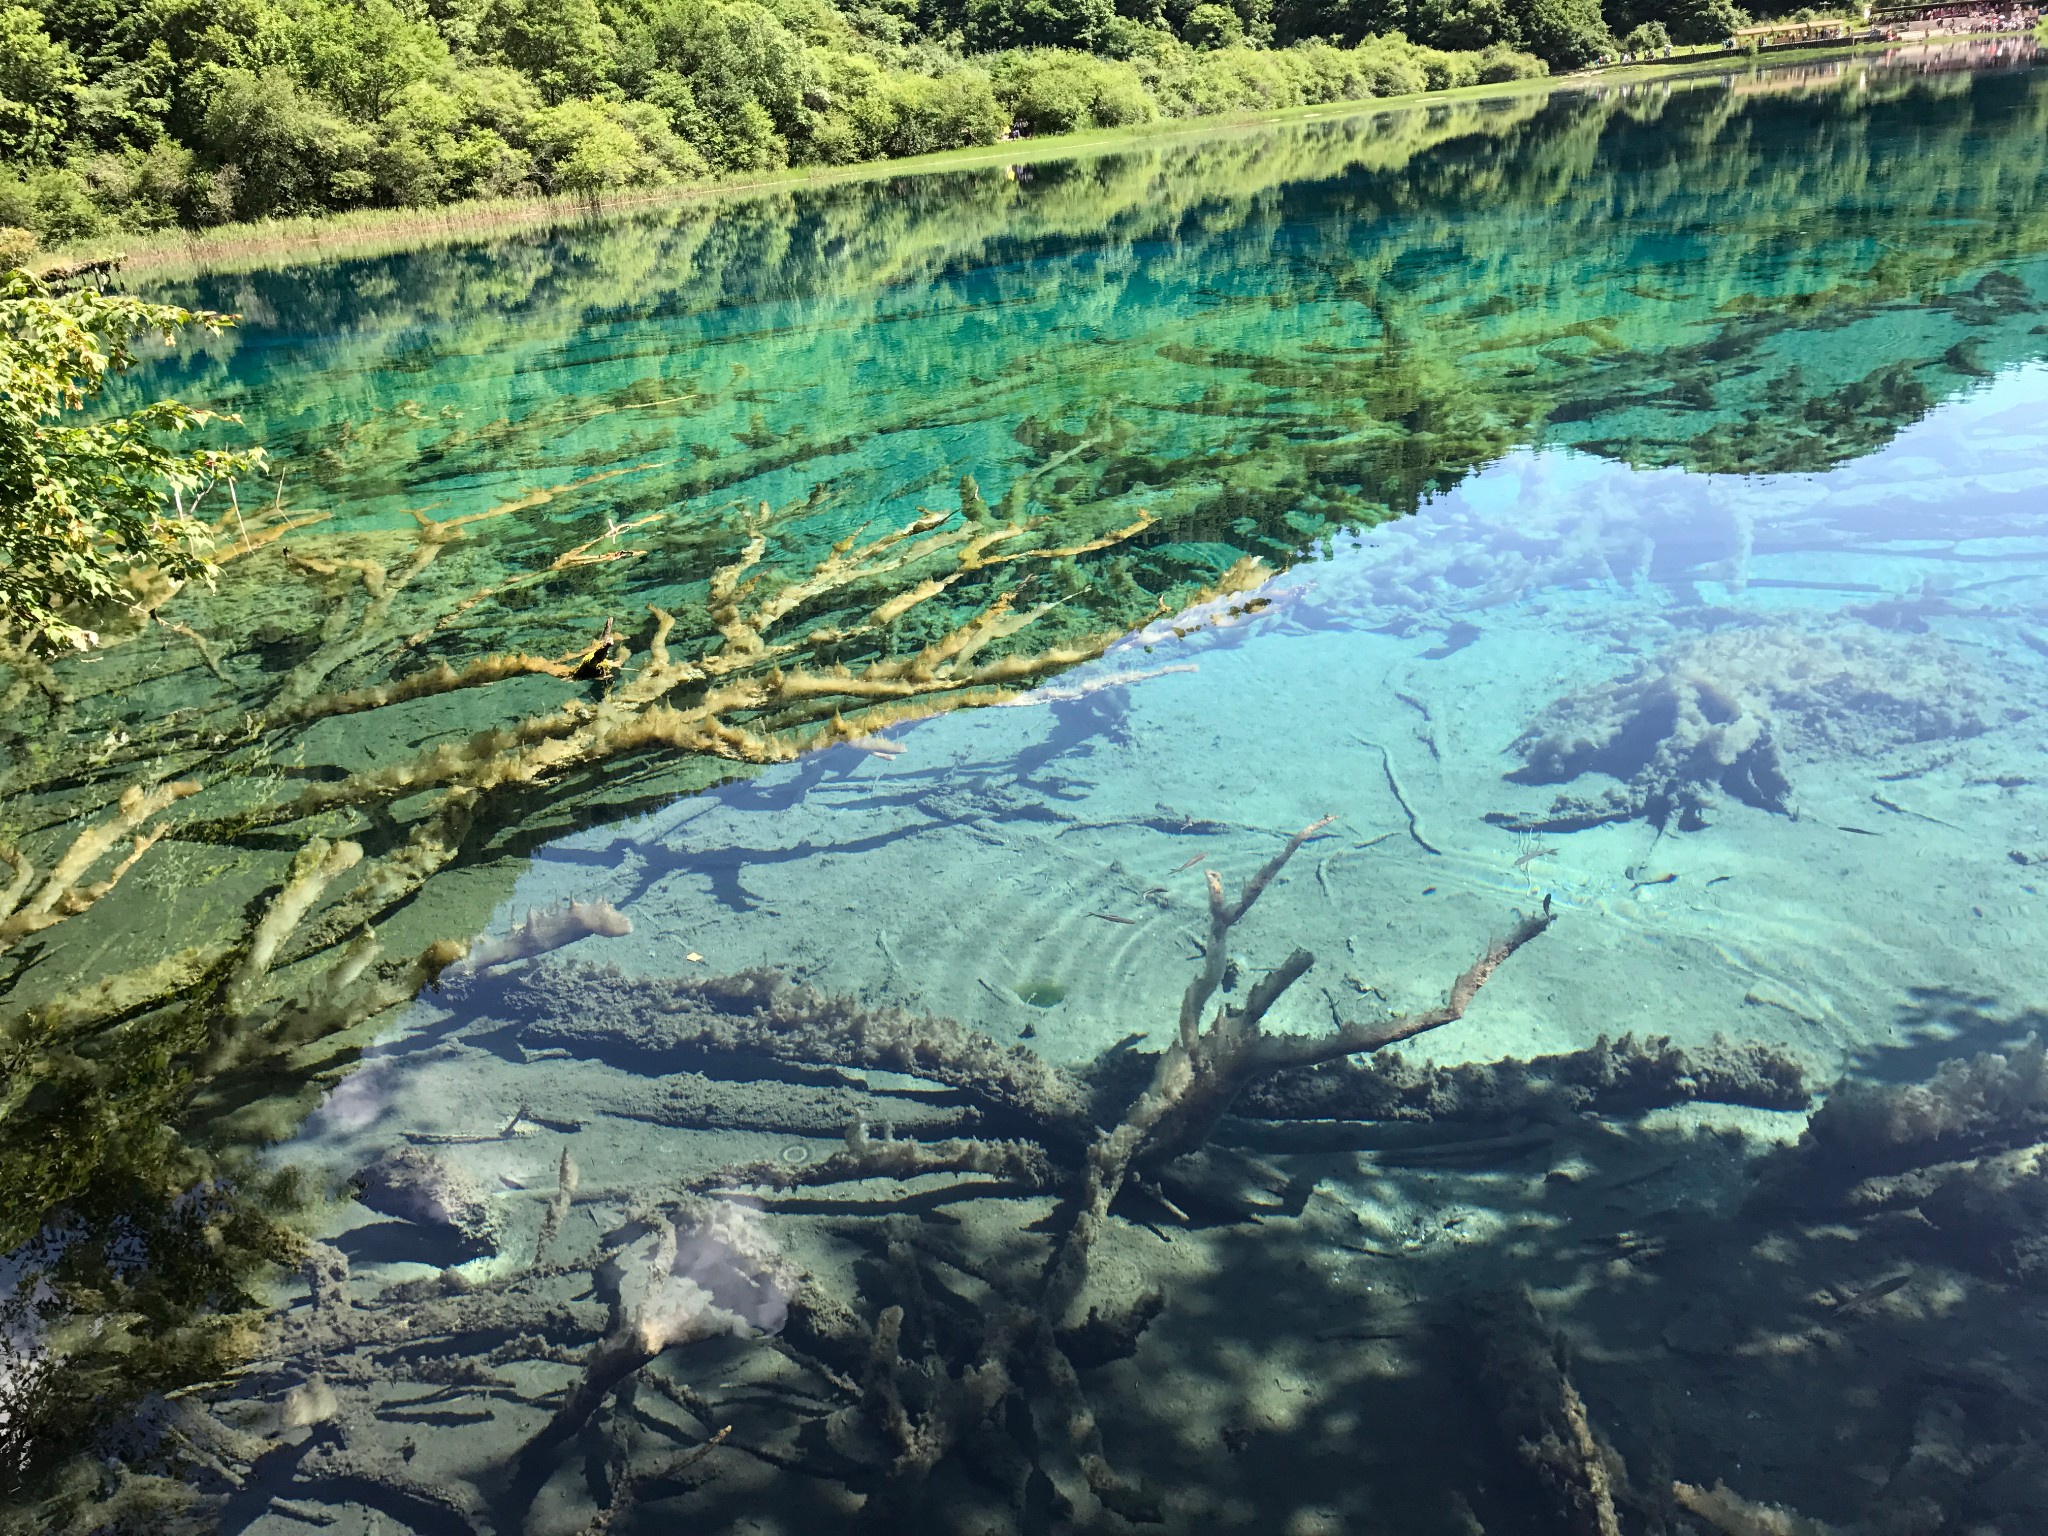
(1191, 863)
(1523, 861)
(1111, 917)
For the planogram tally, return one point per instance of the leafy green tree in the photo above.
(563, 46)
(1213, 26)
(125, 102)
(1650, 37)
(1564, 33)
(291, 151)
(731, 77)
(363, 54)
(85, 503)
(203, 40)
(38, 75)
(54, 201)
(1463, 24)
(1686, 21)
(453, 137)
(952, 110)
(1038, 23)
(593, 147)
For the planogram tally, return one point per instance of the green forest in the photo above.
(130, 115)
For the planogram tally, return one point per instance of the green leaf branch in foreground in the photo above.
(95, 512)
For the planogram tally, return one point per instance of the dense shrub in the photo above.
(54, 202)
(591, 147)
(1687, 21)
(1053, 91)
(1563, 32)
(947, 112)
(1499, 63)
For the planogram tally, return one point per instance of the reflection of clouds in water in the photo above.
(1533, 520)
(720, 1274)
(1556, 518)
(26, 1360)
(357, 1102)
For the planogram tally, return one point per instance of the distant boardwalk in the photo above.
(1906, 22)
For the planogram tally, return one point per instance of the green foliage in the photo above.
(1650, 37)
(37, 77)
(731, 77)
(364, 54)
(1213, 26)
(1462, 24)
(873, 112)
(281, 149)
(1053, 91)
(87, 503)
(563, 46)
(140, 114)
(1498, 63)
(592, 147)
(1082, 24)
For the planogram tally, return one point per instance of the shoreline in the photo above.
(365, 233)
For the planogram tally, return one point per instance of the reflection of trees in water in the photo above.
(1266, 362)
(1643, 272)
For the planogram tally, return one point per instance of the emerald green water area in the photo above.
(1324, 321)
(1625, 507)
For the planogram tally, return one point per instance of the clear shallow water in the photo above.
(1718, 631)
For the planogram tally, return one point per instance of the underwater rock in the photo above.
(1993, 1217)
(1721, 713)
(1670, 736)
(1960, 1153)
(416, 1187)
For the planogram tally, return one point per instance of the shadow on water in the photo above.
(1938, 1023)
(1580, 1284)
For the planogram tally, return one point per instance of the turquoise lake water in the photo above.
(1624, 507)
